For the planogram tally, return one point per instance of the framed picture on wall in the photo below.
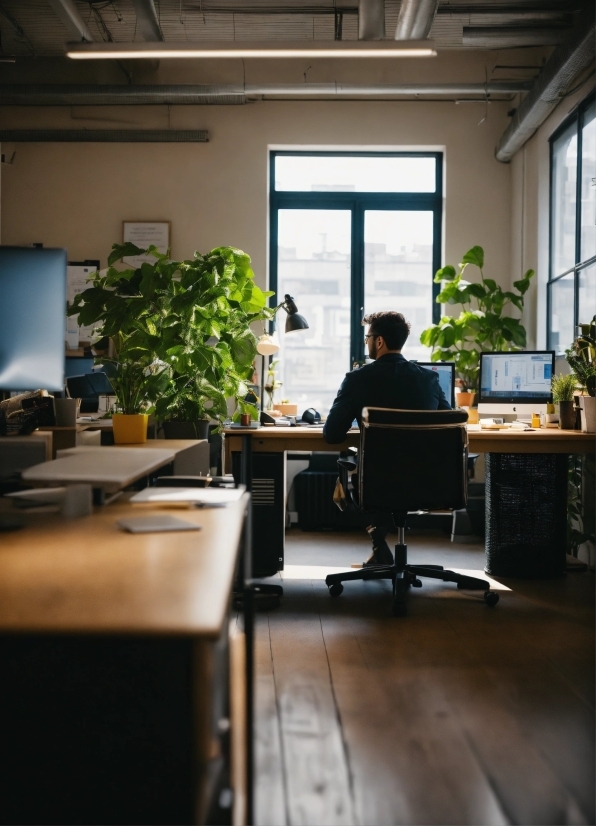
(144, 234)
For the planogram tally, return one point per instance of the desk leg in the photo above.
(246, 462)
(526, 515)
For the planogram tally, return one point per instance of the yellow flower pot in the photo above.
(130, 429)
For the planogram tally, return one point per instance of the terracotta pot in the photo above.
(464, 399)
(130, 429)
(566, 416)
(174, 429)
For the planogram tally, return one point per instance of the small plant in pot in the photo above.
(481, 325)
(581, 357)
(564, 388)
(129, 362)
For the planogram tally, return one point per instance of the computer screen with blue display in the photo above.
(520, 379)
(446, 373)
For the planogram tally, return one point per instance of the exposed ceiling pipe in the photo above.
(371, 20)
(483, 37)
(145, 95)
(415, 19)
(72, 20)
(147, 22)
(561, 70)
(104, 135)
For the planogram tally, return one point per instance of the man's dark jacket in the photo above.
(390, 381)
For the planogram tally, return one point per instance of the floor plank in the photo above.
(270, 807)
(456, 714)
(317, 779)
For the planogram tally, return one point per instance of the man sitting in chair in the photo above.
(389, 381)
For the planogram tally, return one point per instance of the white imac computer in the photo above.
(515, 384)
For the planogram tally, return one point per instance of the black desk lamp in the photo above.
(268, 346)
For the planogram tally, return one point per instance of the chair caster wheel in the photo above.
(416, 583)
(336, 589)
(491, 598)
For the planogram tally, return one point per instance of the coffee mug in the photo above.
(245, 419)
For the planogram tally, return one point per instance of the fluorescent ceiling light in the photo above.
(239, 49)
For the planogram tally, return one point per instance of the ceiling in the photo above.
(33, 28)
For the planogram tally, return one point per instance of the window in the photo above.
(351, 233)
(572, 283)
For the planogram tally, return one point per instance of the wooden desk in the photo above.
(115, 667)
(279, 439)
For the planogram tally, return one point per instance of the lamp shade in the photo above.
(294, 321)
(267, 345)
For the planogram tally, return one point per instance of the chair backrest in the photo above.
(412, 459)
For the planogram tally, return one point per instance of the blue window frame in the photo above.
(571, 296)
(426, 197)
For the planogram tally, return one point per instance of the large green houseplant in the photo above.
(187, 323)
(482, 324)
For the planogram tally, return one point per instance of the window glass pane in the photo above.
(561, 313)
(587, 294)
(398, 269)
(314, 266)
(312, 173)
(564, 176)
(588, 212)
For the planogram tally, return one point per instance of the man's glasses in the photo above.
(369, 335)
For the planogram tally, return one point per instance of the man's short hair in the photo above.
(392, 326)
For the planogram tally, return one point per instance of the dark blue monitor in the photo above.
(78, 366)
(32, 318)
(445, 370)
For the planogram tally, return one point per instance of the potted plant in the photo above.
(188, 324)
(481, 325)
(113, 303)
(581, 357)
(564, 388)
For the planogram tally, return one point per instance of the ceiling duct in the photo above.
(72, 20)
(561, 70)
(147, 23)
(512, 37)
(104, 135)
(371, 20)
(146, 95)
(415, 19)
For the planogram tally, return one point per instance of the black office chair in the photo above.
(409, 460)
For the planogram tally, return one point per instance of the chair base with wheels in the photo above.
(408, 460)
(405, 576)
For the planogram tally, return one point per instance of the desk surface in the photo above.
(548, 440)
(87, 576)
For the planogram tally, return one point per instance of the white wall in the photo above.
(77, 195)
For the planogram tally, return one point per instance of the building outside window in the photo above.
(351, 233)
(572, 282)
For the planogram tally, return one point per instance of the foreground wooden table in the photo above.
(115, 694)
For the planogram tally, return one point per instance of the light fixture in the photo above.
(294, 321)
(268, 345)
(240, 49)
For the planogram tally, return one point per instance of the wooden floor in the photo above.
(457, 714)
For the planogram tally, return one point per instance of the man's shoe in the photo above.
(381, 555)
